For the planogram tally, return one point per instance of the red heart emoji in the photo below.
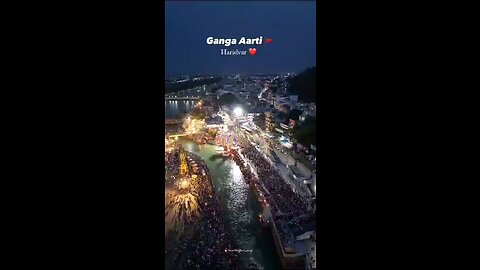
(268, 40)
(252, 51)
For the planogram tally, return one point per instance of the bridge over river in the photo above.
(179, 135)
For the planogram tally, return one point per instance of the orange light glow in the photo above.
(184, 184)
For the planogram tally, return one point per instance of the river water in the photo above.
(174, 108)
(237, 200)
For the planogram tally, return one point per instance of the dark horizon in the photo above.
(290, 25)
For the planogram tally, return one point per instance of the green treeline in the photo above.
(304, 85)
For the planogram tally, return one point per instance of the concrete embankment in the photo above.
(288, 261)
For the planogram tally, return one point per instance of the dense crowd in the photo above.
(200, 138)
(293, 211)
(251, 179)
(172, 163)
(243, 142)
(206, 244)
(287, 200)
(302, 223)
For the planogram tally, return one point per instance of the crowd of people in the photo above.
(292, 212)
(205, 243)
(172, 163)
(243, 142)
(200, 138)
(282, 193)
(251, 179)
(247, 174)
(302, 223)
(183, 207)
(271, 178)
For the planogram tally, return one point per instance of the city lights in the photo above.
(212, 132)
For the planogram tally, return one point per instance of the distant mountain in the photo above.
(304, 85)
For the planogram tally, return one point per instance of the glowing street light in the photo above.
(238, 111)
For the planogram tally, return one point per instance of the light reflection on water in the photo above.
(239, 206)
(228, 181)
(173, 108)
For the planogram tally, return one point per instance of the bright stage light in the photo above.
(238, 111)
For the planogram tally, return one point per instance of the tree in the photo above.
(304, 85)
(228, 99)
(306, 133)
(273, 88)
(295, 114)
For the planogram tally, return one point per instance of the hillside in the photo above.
(304, 85)
(306, 133)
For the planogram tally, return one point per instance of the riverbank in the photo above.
(212, 234)
(290, 252)
(202, 138)
(240, 208)
(197, 237)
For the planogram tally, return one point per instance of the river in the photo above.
(237, 200)
(174, 108)
(240, 207)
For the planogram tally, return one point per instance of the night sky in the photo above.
(290, 25)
